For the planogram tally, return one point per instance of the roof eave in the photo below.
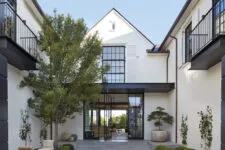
(36, 4)
(175, 23)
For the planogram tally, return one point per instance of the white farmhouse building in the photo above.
(185, 74)
(135, 85)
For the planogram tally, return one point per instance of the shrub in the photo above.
(160, 117)
(184, 129)
(163, 148)
(183, 148)
(67, 147)
(206, 127)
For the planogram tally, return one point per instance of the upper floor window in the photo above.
(114, 56)
(11, 3)
(188, 43)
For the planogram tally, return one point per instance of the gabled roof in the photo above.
(113, 9)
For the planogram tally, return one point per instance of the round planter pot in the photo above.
(25, 148)
(48, 143)
(159, 136)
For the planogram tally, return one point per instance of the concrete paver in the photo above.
(108, 145)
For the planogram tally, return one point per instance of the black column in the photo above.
(3, 104)
(223, 105)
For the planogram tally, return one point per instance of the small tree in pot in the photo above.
(160, 117)
(25, 130)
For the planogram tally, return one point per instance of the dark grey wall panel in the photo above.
(3, 104)
(223, 105)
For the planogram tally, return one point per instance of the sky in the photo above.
(152, 17)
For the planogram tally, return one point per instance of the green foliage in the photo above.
(159, 116)
(163, 148)
(206, 127)
(183, 148)
(167, 148)
(184, 130)
(25, 127)
(67, 147)
(119, 121)
(67, 76)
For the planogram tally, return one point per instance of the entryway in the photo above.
(115, 117)
(96, 145)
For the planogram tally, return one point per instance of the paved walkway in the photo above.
(96, 145)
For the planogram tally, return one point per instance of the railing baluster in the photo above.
(12, 26)
(204, 31)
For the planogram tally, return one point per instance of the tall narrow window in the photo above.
(114, 56)
(188, 43)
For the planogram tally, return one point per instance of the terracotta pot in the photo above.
(25, 148)
(159, 136)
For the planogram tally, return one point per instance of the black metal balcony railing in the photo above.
(15, 28)
(209, 28)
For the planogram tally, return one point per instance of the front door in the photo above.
(135, 116)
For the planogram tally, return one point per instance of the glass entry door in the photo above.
(107, 117)
(135, 116)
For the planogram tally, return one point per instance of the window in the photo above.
(219, 16)
(188, 43)
(114, 56)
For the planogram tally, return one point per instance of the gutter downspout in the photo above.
(176, 97)
(167, 67)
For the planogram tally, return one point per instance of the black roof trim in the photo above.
(36, 4)
(123, 88)
(175, 23)
(126, 20)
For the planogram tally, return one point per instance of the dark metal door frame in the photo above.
(107, 116)
(136, 117)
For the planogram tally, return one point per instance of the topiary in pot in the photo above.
(160, 117)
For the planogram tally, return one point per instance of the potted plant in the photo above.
(160, 117)
(25, 130)
(43, 135)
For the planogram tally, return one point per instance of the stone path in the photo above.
(96, 145)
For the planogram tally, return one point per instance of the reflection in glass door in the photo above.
(135, 116)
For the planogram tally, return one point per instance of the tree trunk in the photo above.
(51, 127)
(56, 136)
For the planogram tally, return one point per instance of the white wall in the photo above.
(196, 89)
(17, 100)
(151, 101)
(140, 66)
(17, 97)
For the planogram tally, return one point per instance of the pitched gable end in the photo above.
(125, 20)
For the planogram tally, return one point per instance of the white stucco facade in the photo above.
(197, 89)
(17, 97)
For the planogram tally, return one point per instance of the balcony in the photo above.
(208, 38)
(18, 43)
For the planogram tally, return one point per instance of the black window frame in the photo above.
(116, 59)
(188, 43)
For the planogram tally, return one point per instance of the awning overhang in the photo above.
(129, 88)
